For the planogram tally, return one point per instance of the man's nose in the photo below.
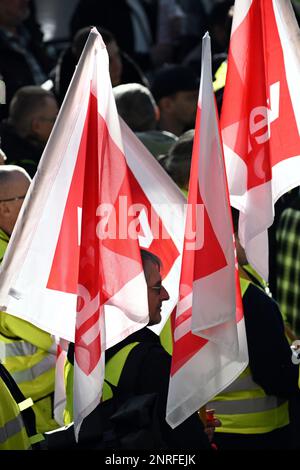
(164, 294)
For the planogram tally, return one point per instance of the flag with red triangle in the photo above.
(210, 348)
(260, 117)
(75, 247)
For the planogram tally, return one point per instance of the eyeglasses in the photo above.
(13, 199)
(157, 288)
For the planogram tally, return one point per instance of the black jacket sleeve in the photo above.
(154, 377)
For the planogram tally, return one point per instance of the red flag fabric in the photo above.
(109, 268)
(81, 189)
(260, 118)
(209, 349)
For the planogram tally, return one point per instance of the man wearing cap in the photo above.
(175, 89)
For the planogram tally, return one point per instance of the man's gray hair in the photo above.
(136, 105)
(26, 102)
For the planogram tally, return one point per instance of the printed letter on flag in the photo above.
(210, 348)
(260, 118)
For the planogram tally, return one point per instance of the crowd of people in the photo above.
(154, 50)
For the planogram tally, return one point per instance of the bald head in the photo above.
(14, 183)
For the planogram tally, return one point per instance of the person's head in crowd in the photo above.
(177, 162)
(13, 13)
(136, 105)
(14, 184)
(122, 68)
(157, 294)
(115, 61)
(32, 113)
(3, 157)
(175, 89)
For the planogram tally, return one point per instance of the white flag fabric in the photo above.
(35, 284)
(61, 259)
(260, 118)
(210, 348)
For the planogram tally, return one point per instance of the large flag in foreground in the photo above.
(260, 117)
(38, 274)
(210, 348)
(62, 257)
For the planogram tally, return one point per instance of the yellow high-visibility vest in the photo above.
(113, 370)
(13, 434)
(29, 354)
(244, 408)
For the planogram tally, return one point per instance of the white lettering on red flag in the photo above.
(260, 118)
(209, 349)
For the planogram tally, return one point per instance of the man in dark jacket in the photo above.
(154, 373)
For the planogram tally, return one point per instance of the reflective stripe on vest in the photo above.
(40, 368)
(11, 428)
(244, 408)
(17, 348)
(13, 435)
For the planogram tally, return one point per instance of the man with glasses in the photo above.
(154, 373)
(27, 352)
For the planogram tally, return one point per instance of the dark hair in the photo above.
(172, 79)
(177, 161)
(26, 102)
(148, 256)
(136, 106)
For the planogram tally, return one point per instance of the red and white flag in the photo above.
(61, 258)
(260, 118)
(210, 348)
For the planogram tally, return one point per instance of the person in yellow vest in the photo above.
(254, 409)
(27, 352)
(154, 373)
(13, 434)
(17, 419)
